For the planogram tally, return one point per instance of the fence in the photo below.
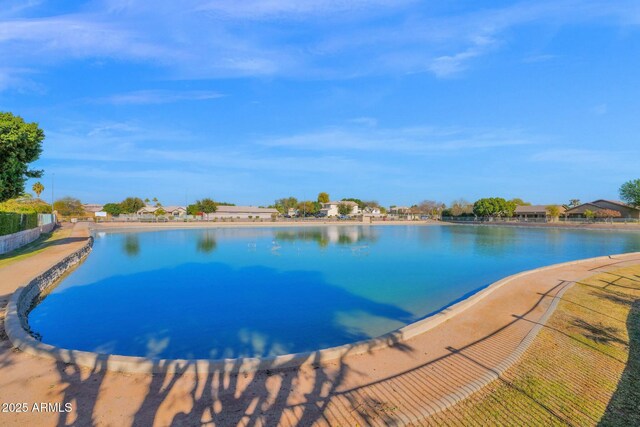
(46, 219)
(17, 229)
(11, 222)
(472, 219)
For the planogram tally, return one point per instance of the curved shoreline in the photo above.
(22, 301)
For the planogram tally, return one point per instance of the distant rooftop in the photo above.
(250, 209)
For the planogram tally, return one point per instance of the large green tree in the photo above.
(630, 192)
(20, 144)
(131, 205)
(112, 209)
(344, 209)
(553, 211)
(519, 202)
(308, 208)
(202, 206)
(283, 205)
(207, 205)
(323, 197)
(494, 206)
(69, 206)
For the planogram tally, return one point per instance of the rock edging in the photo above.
(24, 298)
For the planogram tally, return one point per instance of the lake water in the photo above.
(227, 292)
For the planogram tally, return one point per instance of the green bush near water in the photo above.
(11, 222)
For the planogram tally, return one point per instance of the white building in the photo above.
(371, 211)
(331, 208)
(242, 212)
(170, 210)
(91, 208)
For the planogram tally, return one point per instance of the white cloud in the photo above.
(305, 39)
(75, 36)
(409, 140)
(19, 80)
(615, 161)
(270, 9)
(600, 109)
(158, 97)
(14, 7)
(364, 121)
(445, 66)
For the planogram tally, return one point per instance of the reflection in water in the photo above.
(333, 234)
(206, 243)
(631, 242)
(132, 245)
(495, 241)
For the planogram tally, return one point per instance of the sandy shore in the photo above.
(401, 384)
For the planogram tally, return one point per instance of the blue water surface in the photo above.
(236, 292)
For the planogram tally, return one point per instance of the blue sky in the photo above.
(394, 101)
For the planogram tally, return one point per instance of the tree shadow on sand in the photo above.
(624, 407)
(239, 326)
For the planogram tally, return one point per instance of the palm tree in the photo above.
(38, 188)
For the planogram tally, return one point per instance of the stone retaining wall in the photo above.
(13, 241)
(39, 285)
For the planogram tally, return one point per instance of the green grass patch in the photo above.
(43, 242)
(582, 369)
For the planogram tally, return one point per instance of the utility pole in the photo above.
(53, 175)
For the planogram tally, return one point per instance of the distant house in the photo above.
(332, 208)
(625, 210)
(399, 210)
(534, 212)
(170, 210)
(404, 212)
(91, 208)
(368, 210)
(242, 212)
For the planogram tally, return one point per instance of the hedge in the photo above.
(11, 222)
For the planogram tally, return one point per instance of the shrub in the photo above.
(11, 222)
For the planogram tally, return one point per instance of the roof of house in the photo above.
(615, 202)
(594, 206)
(535, 209)
(244, 209)
(169, 209)
(92, 207)
(173, 208)
(346, 202)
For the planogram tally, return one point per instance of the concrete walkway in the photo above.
(399, 385)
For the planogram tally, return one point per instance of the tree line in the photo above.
(308, 208)
(21, 144)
